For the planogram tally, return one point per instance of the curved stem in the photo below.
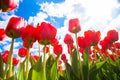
(27, 63)
(44, 63)
(79, 60)
(10, 59)
(77, 47)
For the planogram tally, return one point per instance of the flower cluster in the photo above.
(88, 57)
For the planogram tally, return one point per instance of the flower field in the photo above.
(91, 58)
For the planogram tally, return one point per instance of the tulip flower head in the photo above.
(68, 39)
(46, 49)
(74, 25)
(8, 5)
(14, 26)
(47, 33)
(63, 57)
(29, 34)
(5, 56)
(2, 34)
(54, 42)
(15, 61)
(58, 49)
(22, 52)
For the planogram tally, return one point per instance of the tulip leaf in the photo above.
(20, 73)
(75, 64)
(54, 71)
(49, 63)
(1, 67)
(68, 72)
(94, 70)
(85, 65)
(36, 72)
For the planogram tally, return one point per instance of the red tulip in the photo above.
(2, 34)
(7, 5)
(105, 44)
(63, 57)
(5, 56)
(47, 33)
(22, 52)
(74, 25)
(46, 50)
(113, 57)
(58, 49)
(92, 37)
(118, 52)
(14, 26)
(113, 35)
(26, 44)
(15, 61)
(117, 45)
(54, 42)
(68, 39)
(29, 34)
(82, 42)
(70, 48)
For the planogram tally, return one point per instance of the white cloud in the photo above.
(93, 14)
(41, 16)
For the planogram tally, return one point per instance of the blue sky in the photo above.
(100, 15)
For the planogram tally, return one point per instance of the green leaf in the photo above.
(54, 71)
(68, 72)
(86, 65)
(1, 67)
(94, 70)
(20, 73)
(38, 75)
(36, 72)
(49, 64)
(75, 64)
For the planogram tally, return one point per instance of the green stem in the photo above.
(27, 63)
(44, 63)
(77, 47)
(10, 59)
(49, 50)
(79, 60)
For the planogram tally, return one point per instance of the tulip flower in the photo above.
(113, 35)
(47, 33)
(54, 42)
(63, 57)
(15, 61)
(117, 45)
(8, 5)
(57, 49)
(74, 25)
(5, 56)
(14, 26)
(29, 33)
(92, 37)
(22, 52)
(68, 39)
(46, 49)
(2, 34)
(82, 42)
